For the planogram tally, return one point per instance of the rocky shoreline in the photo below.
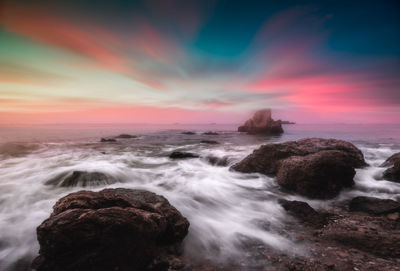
(124, 229)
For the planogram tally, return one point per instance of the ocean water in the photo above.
(225, 208)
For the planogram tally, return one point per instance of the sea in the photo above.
(225, 208)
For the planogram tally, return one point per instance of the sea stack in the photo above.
(262, 123)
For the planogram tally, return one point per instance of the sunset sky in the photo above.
(166, 61)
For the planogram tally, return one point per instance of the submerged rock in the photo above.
(374, 206)
(182, 155)
(313, 167)
(209, 142)
(217, 161)
(210, 133)
(82, 178)
(262, 123)
(188, 133)
(126, 136)
(108, 140)
(393, 172)
(114, 229)
(304, 212)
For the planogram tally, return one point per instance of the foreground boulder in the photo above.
(114, 229)
(313, 167)
(82, 178)
(374, 206)
(393, 172)
(262, 123)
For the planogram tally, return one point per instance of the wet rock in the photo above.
(217, 161)
(374, 206)
(108, 140)
(393, 172)
(304, 212)
(182, 155)
(320, 175)
(210, 133)
(125, 136)
(82, 178)
(114, 229)
(209, 142)
(314, 167)
(188, 133)
(382, 242)
(262, 123)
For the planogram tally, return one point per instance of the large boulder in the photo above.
(313, 167)
(182, 155)
(374, 206)
(393, 172)
(114, 229)
(319, 175)
(262, 123)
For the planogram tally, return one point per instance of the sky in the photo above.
(206, 61)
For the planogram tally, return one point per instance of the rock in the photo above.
(393, 172)
(108, 140)
(374, 206)
(209, 142)
(262, 123)
(304, 212)
(217, 161)
(320, 175)
(182, 155)
(210, 133)
(267, 158)
(188, 133)
(126, 136)
(114, 229)
(81, 178)
(330, 165)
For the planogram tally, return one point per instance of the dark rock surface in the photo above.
(304, 212)
(393, 172)
(82, 178)
(320, 175)
(125, 136)
(374, 206)
(210, 133)
(108, 140)
(188, 133)
(209, 142)
(114, 229)
(313, 167)
(218, 161)
(182, 155)
(262, 123)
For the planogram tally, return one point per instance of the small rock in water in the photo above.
(188, 133)
(114, 229)
(209, 142)
(81, 178)
(126, 136)
(217, 161)
(210, 133)
(108, 140)
(182, 155)
(374, 206)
